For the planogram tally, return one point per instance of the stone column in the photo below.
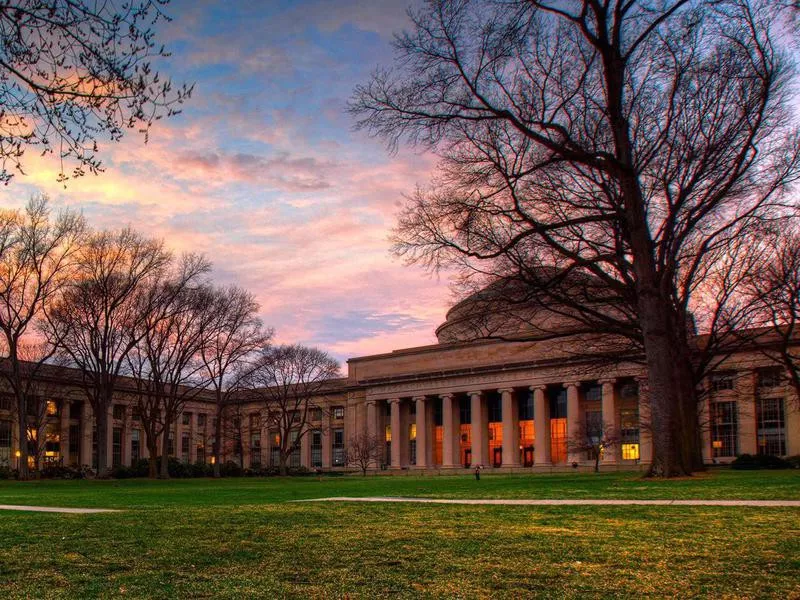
(705, 422)
(510, 410)
(541, 425)
(63, 434)
(327, 438)
(422, 432)
(372, 419)
(110, 435)
(396, 433)
(126, 436)
(573, 420)
(645, 433)
(179, 437)
(86, 435)
(480, 429)
(450, 432)
(610, 421)
(16, 442)
(305, 449)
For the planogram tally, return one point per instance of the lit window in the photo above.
(772, 377)
(630, 451)
(52, 408)
(338, 412)
(388, 433)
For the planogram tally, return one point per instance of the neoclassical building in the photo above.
(512, 404)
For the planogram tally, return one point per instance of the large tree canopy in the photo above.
(73, 73)
(637, 144)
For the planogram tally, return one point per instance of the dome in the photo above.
(517, 308)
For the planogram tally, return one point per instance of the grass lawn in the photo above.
(238, 538)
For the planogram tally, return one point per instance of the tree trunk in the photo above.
(282, 470)
(217, 449)
(152, 462)
(102, 422)
(22, 423)
(164, 471)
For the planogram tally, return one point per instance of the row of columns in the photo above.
(510, 425)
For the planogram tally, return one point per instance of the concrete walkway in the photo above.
(56, 509)
(568, 502)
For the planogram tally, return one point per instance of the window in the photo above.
(526, 407)
(495, 406)
(5, 443)
(171, 444)
(201, 421)
(629, 391)
(724, 434)
(316, 414)
(338, 412)
(594, 431)
(558, 425)
(771, 427)
(769, 378)
(255, 421)
(275, 448)
(187, 418)
(255, 449)
(185, 443)
(294, 457)
(201, 453)
(119, 412)
(412, 443)
(338, 447)
(594, 393)
(52, 408)
(721, 382)
(316, 448)
(629, 433)
(116, 447)
(465, 411)
(136, 414)
(136, 446)
(74, 441)
(6, 402)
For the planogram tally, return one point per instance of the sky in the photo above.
(264, 174)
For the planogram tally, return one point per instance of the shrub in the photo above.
(231, 469)
(8, 473)
(759, 461)
(794, 461)
(64, 472)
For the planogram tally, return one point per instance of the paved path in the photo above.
(56, 509)
(545, 502)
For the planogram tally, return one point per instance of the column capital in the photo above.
(393, 400)
(445, 396)
(477, 393)
(538, 387)
(569, 384)
(606, 380)
(504, 390)
(419, 398)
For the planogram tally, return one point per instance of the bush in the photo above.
(201, 469)
(8, 473)
(64, 472)
(759, 461)
(794, 461)
(231, 469)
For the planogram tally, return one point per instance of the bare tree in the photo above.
(594, 437)
(612, 148)
(775, 292)
(287, 380)
(165, 362)
(36, 260)
(235, 334)
(75, 72)
(364, 450)
(99, 317)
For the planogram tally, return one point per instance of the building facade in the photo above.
(511, 405)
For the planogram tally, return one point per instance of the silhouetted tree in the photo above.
(594, 437)
(604, 156)
(75, 72)
(37, 255)
(99, 317)
(364, 450)
(286, 380)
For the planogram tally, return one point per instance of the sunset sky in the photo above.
(263, 173)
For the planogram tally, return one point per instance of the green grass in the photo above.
(238, 538)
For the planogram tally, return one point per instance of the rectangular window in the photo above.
(5, 443)
(6, 401)
(771, 377)
(465, 411)
(171, 444)
(495, 406)
(771, 426)
(255, 449)
(316, 414)
(116, 447)
(294, 457)
(52, 408)
(526, 407)
(338, 447)
(187, 418)
(201, 453)
(721, 382)
(594, 393)
(119, 412)
(629, 433)
(136, 446)
(412, 443)
(724, 432)
(255, 421)
(136, 414)
(316, 449)
(185, 444)
(275, 448)
(201, 421)
(338, 412)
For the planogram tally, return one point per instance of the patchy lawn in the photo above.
(237, 538)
